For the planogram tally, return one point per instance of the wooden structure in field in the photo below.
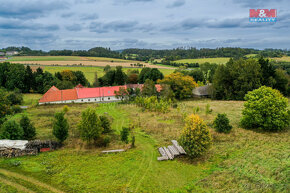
(171, 151)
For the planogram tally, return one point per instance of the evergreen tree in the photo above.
(60, 126)
(28, 128)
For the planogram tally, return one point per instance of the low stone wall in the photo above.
(9, 153)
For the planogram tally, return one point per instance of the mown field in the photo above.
(90, 71)
(242, 161)
(45, 58)
(282, 59)
(203, 60)
(79, 61)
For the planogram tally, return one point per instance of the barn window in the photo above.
(95, 99)
(88, 99)
(82, 100)
(109, 98)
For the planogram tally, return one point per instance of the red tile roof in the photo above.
(97, 92)
(54, 94)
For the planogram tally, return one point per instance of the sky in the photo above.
(155, 24)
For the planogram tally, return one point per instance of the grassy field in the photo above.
(282, 59)
(242, 161)
(45, 58)
(90, 71)
(251, 55)
(203, 60)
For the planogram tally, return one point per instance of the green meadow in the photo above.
(44, 58)
(242, 161)
(203, 60)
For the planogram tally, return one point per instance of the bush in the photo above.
(28, 128)
(125, 134)
(15, 97)
(90, 126)
(16, 109)
(195, 138)
(222, 123)
(60, 126)
(106, 124)
(106, 141)
(11, 130)
(265, 109)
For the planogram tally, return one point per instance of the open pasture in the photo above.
(78, 61)
(203, 60)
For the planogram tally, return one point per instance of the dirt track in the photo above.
(88, 63)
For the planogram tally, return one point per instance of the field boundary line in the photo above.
(30, 179)
(15, 185)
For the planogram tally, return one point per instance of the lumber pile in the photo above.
(170, 152)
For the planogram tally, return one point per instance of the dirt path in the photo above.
(29, 179)
(19, 187)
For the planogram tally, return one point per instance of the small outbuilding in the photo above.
(202, 91)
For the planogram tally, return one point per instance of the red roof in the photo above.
(54, 94)
(97, 92)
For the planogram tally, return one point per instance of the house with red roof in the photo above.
(79, 94)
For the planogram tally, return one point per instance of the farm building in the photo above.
(80, 94)
(202, 91)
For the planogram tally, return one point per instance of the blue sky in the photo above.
(157, 24)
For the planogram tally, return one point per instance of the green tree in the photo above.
(222, 123)
(64, 85)
(15, 97)
(265, 109)
(96, 80)
(120, 76)
(125, 134)
(90, 126)
(11, 130)
(149, 88)
(60, 126)
(4, 104)
(268, 72)
(235, 79)
(154, 74)
(80, 78)
(106, 124)
(181, 85)
(29, 131)
(281, 81)
(107, 68)
(142, 75)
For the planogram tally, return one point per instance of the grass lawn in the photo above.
(45, 58)
(31, 99)
(242, 161)
(203, 60)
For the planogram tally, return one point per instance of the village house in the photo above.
(11, 53)
(79, 94)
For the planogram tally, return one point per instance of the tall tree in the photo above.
(120, 76)
(60, 126)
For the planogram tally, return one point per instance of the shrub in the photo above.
(208, 110)
(16, 109)
(265, 109)
(15, 97)
(125, 134)
(106, 124)
(195, 137)
(222, 123)
(11, 130)
(106, 141)
(90, 126)
(28, 128)
(133, 141)
(65, 109)
(60, 126)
